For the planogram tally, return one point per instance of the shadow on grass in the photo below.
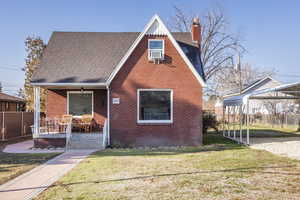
(234, 170)
(10, 161)
(212, 142)
(265, 132)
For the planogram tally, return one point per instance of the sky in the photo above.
(270, 28)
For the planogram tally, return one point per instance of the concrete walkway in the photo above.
(30, 184)
(25, 147)
(285, 146)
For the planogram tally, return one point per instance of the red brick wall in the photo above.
(138, 72)
(56, 104)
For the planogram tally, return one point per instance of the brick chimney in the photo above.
(196, 31)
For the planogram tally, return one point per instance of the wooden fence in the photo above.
(15, 124)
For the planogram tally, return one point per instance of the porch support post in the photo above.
(37, 108)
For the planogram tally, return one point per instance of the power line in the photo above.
(11, 68)
(288, 75)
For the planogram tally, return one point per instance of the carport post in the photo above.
(241, 123)
(234, 119)
(228, 121)
(247, 121)
(223, 120)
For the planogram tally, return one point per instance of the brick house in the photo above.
(144, 88)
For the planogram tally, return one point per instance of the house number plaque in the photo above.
(116, 100)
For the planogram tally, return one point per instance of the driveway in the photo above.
(286, 146)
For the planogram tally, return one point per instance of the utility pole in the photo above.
(0, 86)
(239, 70)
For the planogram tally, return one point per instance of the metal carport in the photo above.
(235, 107)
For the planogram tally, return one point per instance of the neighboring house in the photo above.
(256, 106)
(11, 103)
(147, 85)
(260, 84)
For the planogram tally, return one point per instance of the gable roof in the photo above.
(92, 57)
(6, 97)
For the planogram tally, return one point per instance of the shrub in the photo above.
(209, 121)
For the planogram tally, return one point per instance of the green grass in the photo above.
(13, 165)
(220, 169)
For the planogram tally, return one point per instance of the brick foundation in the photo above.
(49, 142)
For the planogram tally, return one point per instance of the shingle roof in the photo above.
(6, 97)
(90, 57)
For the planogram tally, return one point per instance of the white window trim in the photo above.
(80, 92)
(154, 121)
(163, 47)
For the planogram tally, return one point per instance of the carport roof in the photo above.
(289, 89)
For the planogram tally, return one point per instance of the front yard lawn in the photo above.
(220, 169)
(13, 165)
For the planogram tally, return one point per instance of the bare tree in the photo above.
(228, 80)
(218, 46)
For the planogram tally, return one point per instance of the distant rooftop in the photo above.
(6, 97)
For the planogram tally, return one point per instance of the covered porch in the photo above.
(75, 116)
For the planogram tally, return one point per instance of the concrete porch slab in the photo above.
(25, 147)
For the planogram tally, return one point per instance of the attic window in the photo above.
(155, 49)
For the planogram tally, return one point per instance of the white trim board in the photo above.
(80, 92)
(163, 30)
(68, 84)
(154, 121)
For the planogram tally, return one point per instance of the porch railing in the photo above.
(52, 126)
(68, 133)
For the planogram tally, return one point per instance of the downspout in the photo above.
(108, 114)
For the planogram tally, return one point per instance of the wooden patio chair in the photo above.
(86, 121)
(64, 121)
